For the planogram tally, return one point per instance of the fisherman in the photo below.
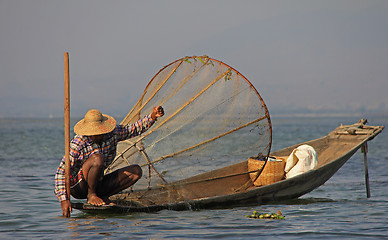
(91, 152)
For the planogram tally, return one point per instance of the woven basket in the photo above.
(273, 171)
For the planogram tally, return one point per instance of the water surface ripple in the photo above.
(31, 150)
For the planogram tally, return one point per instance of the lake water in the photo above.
(30, 151)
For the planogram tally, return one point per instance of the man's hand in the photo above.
(157, 112)
(66, 208)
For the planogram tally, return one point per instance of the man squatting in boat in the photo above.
(91, 152)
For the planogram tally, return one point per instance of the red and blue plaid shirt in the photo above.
(81, 148)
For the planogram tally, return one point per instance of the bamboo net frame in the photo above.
(157, 94)
(172, 115)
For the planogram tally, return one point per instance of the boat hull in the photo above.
(238, 190)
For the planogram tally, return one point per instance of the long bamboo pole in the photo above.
(364, 150)
(67, 125)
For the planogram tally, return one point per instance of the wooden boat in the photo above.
(232, 186)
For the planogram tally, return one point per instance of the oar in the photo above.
(67, 125)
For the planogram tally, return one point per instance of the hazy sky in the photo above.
(318, 55)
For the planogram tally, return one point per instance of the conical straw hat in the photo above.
(95, 123)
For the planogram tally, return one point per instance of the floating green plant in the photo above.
(258, 215)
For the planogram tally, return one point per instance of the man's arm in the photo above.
(157, 112)
(66, 208)
(60, 190)
(60, 185)
(137, 128)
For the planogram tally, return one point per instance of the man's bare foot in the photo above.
(93, 199)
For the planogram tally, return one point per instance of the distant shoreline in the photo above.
(273, 115)
(317, 115)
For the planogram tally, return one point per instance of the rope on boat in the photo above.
(141, 149)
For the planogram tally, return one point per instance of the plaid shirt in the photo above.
(81, 148)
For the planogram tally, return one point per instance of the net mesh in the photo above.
(214, 117)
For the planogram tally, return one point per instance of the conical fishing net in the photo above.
(214, 117)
